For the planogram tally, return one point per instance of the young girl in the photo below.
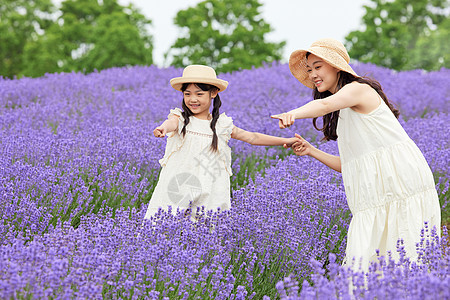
(196, 166)
(389, 185)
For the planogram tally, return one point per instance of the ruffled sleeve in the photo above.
(225, 126)
(177, 112)
(174, 139)
(224, 129)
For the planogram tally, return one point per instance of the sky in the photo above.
(298, 22)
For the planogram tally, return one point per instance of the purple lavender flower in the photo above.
(78, 165)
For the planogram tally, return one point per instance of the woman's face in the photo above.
(324, 76)
(198, 100)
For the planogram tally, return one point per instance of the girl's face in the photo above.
(198, 100)
(324, 76)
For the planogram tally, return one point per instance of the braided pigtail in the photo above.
(215, 117)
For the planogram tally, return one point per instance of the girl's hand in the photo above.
(286, 119)
(301, 146)
(159, 131)
(290, 142)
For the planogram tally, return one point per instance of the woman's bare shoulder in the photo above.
(368, 96)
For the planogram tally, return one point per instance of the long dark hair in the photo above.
(330, 120)
(215, 113)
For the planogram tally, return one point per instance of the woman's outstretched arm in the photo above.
(360, 97)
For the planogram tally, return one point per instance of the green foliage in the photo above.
(398, 34)
(252, 164)
(20, 22)
(264, 275)
(42, 55)
(224, 34)
(88, 35)
(116, 35)
(443, 185)
(433, 51)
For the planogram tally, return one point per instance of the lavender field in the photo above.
(78, 164)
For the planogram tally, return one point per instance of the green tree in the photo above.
(393, 30)
(44, 54)
(118, 43)
(90, 35)
(224, 34)
(20, 22)
(432, 51)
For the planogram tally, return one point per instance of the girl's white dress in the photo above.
(191, 173)
(389, 185)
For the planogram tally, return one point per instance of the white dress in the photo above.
(191, 173)
(389, 185)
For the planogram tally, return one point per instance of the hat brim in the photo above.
(177, 82)
(297, 63)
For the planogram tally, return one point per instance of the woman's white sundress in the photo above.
(389, 186)
(191, 173)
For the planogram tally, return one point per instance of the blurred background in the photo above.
(45, 36)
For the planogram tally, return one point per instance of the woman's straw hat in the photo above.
(330, 50)
(198, 74)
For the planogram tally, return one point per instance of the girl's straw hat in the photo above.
(330, 50)
(198, 74)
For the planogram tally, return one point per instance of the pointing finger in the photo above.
(299, 136)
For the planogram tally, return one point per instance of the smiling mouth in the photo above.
(317, 83)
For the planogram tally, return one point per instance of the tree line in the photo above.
(37, 37)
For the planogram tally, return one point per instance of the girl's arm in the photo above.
(260, 139)
(302, 147)
(361, 97)
(169, 125)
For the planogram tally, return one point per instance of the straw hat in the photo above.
(198, 74)
(330, 50)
